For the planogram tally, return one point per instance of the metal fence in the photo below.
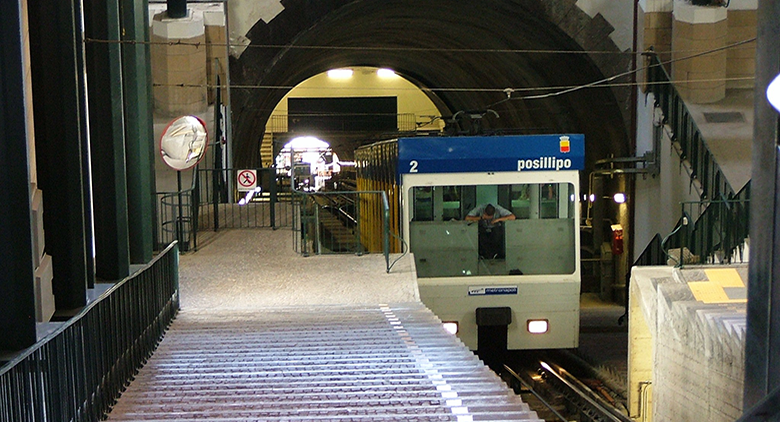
(177, 219)
(719, 233)
(213, 202)
(77, 372)
(221, 205)
(715, 228)
(684, 132)
(330, 223)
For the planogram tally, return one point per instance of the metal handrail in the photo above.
(77, 372)
(183, 216)
(313, 219)
(684, 131)
(710, 233)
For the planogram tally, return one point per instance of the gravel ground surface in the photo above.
(258, 268)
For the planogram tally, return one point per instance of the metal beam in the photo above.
(107, 139)
(59, 104)
(762, 363)
(139, 130)
(17, 293)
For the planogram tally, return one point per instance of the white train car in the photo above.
(522, 273)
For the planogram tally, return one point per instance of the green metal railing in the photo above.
(177, 219)
(721, 217)
(330, 223)
(685, 133)
(720, 230)
(77, 372)
(217, 208)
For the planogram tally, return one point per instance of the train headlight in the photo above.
(450, 326)
(537, 326)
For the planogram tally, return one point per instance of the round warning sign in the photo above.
(247, 180)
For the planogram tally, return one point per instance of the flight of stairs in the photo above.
(324, 363)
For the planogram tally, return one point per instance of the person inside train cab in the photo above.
(491, 231)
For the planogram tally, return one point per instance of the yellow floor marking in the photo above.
(725, 277)
(707, 292)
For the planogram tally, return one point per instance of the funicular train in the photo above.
(522, 273)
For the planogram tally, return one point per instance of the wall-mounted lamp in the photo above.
(340, 73)
(773, 93)
(385, 73)
(620, 197)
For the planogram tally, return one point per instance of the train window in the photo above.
(539, 240)
(422, 198)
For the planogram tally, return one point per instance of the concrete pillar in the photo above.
(216, 49)
(697, 29)
(741, 60)
(655, 26)
(179, 64)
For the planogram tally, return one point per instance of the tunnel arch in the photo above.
(421, 44)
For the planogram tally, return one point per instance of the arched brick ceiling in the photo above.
(389, 32)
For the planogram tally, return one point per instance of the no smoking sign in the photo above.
(247, 180)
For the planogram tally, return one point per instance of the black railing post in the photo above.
(272, 196)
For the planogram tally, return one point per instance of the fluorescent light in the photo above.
(340, 73)
(385, 73)
(537, 326)
(450, 327)
(620, 197)
(773, 93)
(592, 197)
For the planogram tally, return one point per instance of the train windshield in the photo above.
(477, 230)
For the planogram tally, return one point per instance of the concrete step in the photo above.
(314, 364)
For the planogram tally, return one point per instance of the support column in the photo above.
(697, 29)
(176, 64)
(59, 104)
(17, 296)
(741, 60)
(107, 140)
(656, 27)
(762, 341)
(139, 130)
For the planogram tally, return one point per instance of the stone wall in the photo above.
(696, 320)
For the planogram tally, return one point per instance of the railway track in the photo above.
(557, 394)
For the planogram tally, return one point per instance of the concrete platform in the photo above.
(258, 268)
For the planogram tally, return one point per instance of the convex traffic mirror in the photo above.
(183, 142)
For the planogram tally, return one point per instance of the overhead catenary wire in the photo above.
(445, 89)
(508, 91)
(630, 72)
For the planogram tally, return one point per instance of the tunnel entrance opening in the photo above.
(309, 161)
